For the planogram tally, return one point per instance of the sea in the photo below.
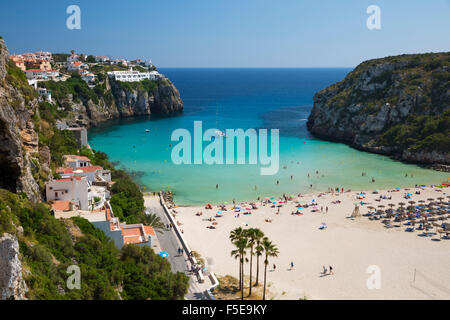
(248, 99)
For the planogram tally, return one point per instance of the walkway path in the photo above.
(169, 243)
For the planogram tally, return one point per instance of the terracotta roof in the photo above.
(64, 170)
(149, 230)
(69, 179)
(90, 168)
(73, 157)
(136, 231)
(132, 239)
(61, 205)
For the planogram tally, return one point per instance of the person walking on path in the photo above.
(292, 265)
(331, 270)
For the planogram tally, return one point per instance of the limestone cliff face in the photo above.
(129, 101)
(396, 106)
(19, 142)
(12, 284)
(163, 99)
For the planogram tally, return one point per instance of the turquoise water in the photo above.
(249, 98)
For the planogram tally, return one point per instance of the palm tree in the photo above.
(259, 249)
(251, 243)
(259, 235)
(270, 250)
(241, 245)
(153, 220)
(235, 236)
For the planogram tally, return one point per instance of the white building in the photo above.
(41, 74)
(87, 76)
(44, 55)
(73, 58)
(101, 59)
(75, 189)
(133, 76)
(75, 162)
(45, 94)
(120, 61)
(76, 65)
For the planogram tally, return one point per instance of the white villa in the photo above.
(45, 94)
(73, 58)
(41, 74)
(74, 189)
(87, 76)
(101, 59)
(74, 161)
(133, 76)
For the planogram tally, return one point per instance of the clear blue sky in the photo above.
(230, 33)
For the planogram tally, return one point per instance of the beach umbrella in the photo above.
(163, 254)
(401, 204)
(381, 206)
(411, 202)
(391, 205)
(398, 189)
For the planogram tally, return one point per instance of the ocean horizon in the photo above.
(232, 98)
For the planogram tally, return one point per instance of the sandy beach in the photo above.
(411, 266)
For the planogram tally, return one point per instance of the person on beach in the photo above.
(217, 186)
(292, 265)
(326, 209)
(278, 182)
(324, 270)
(331, 270)
(274, 267)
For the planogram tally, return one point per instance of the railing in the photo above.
(186, 247)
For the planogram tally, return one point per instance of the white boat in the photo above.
(220, 133)
(147, 130)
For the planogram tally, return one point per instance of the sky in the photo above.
(230, 33)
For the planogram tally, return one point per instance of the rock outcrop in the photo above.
(398, 106)
(127, 100)
(19, 142)
(12, 284)
(163, 99)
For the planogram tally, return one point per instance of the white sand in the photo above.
(350, 246)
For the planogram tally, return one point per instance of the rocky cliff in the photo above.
(398, 106)
(19, 142)
(111, 100)
(12, 284)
